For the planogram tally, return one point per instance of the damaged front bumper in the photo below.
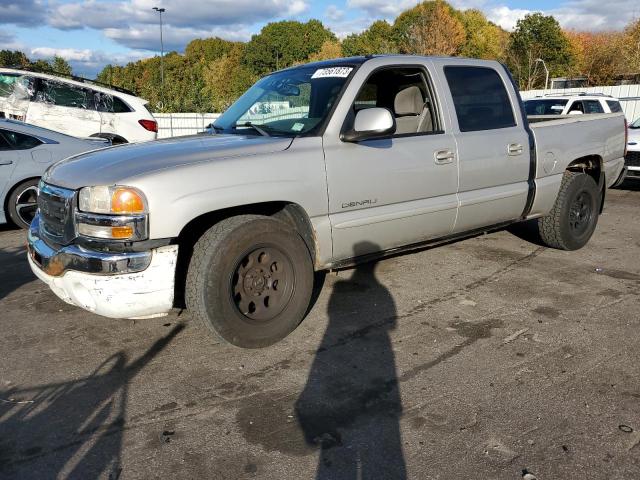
(116, 285)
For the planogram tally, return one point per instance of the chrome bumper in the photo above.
(79, 259)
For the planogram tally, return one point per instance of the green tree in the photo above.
(13, 58)
(484, 39)
(60, 65)
(377, 39)
(282, 44)
(208, 49)
(538, 36)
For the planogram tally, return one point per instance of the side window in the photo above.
(592, 106)
(7, 82)
(63, 95)
(576, 106)
(4, 143)
(614, 106)
(119, 106)
(480, 98)
(406, 93)
(19, 141)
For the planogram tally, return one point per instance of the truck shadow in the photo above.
(350, 407)
(71, 429)
(15, 271)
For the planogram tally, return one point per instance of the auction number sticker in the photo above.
(339, 72)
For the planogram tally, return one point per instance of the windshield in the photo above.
(287, 103)
(544, 107)
(635, 124)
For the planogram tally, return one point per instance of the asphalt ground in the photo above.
(476, 360)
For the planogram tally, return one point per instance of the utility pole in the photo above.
(161, 11)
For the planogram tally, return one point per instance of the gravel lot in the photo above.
(474, 360)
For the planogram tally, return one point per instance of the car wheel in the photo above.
(250, 280)
(23, 203)
(574, 216)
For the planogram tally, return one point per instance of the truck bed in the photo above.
(560, 140)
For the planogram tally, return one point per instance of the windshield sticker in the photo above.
(339, 72)
(297, 127)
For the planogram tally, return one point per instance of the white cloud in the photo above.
(179, 13)
(334, 13)
(506, 17)
(147, 37)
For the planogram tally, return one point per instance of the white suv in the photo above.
(572, 104)
(75, 106)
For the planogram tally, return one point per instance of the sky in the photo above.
(91, 33)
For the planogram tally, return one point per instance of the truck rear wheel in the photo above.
(574, 217)
(250, 280)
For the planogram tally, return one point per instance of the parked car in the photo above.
(572, 104)
(632, 158)
(26, 152)
(375, 155)
(75, 106)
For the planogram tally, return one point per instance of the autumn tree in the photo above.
(330, 49)
(379, 38)
(538, 36)
(596, 56)
(431, 28)
(226, 79)
(13, 58)
(631, 50)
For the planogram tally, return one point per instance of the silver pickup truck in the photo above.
(315, 167)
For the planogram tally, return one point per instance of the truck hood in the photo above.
(111, 166)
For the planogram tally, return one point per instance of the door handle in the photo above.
(6, 162)
(442, 157)
(515, 149)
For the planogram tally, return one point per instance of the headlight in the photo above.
(112, 200)
(112, 212)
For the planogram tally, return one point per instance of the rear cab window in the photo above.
(480, 98)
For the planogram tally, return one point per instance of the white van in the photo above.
(75, 106)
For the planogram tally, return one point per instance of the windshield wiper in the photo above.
(258, 129)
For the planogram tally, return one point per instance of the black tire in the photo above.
(247, 260)
(574, 216)
(22, 203)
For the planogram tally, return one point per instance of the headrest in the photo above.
(409, 101)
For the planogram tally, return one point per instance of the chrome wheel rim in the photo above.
(27, 204)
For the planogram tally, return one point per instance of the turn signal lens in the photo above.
(121, 232)
(126, 201)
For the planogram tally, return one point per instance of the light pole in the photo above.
(546, 79)
(161, 11)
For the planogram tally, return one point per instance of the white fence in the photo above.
(629, 96)
(177, 124)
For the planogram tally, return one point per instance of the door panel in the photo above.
(390, 192)
(494, 169)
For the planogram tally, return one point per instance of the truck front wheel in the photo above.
(250, 280)
(574, 217)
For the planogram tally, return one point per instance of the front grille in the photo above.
(632, 159)
(56, 207)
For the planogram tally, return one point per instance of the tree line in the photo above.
(212, 72)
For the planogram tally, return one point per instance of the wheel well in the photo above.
(10, 191)
(290, 213)
(591, 165)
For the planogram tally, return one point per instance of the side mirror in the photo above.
(371, 123)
